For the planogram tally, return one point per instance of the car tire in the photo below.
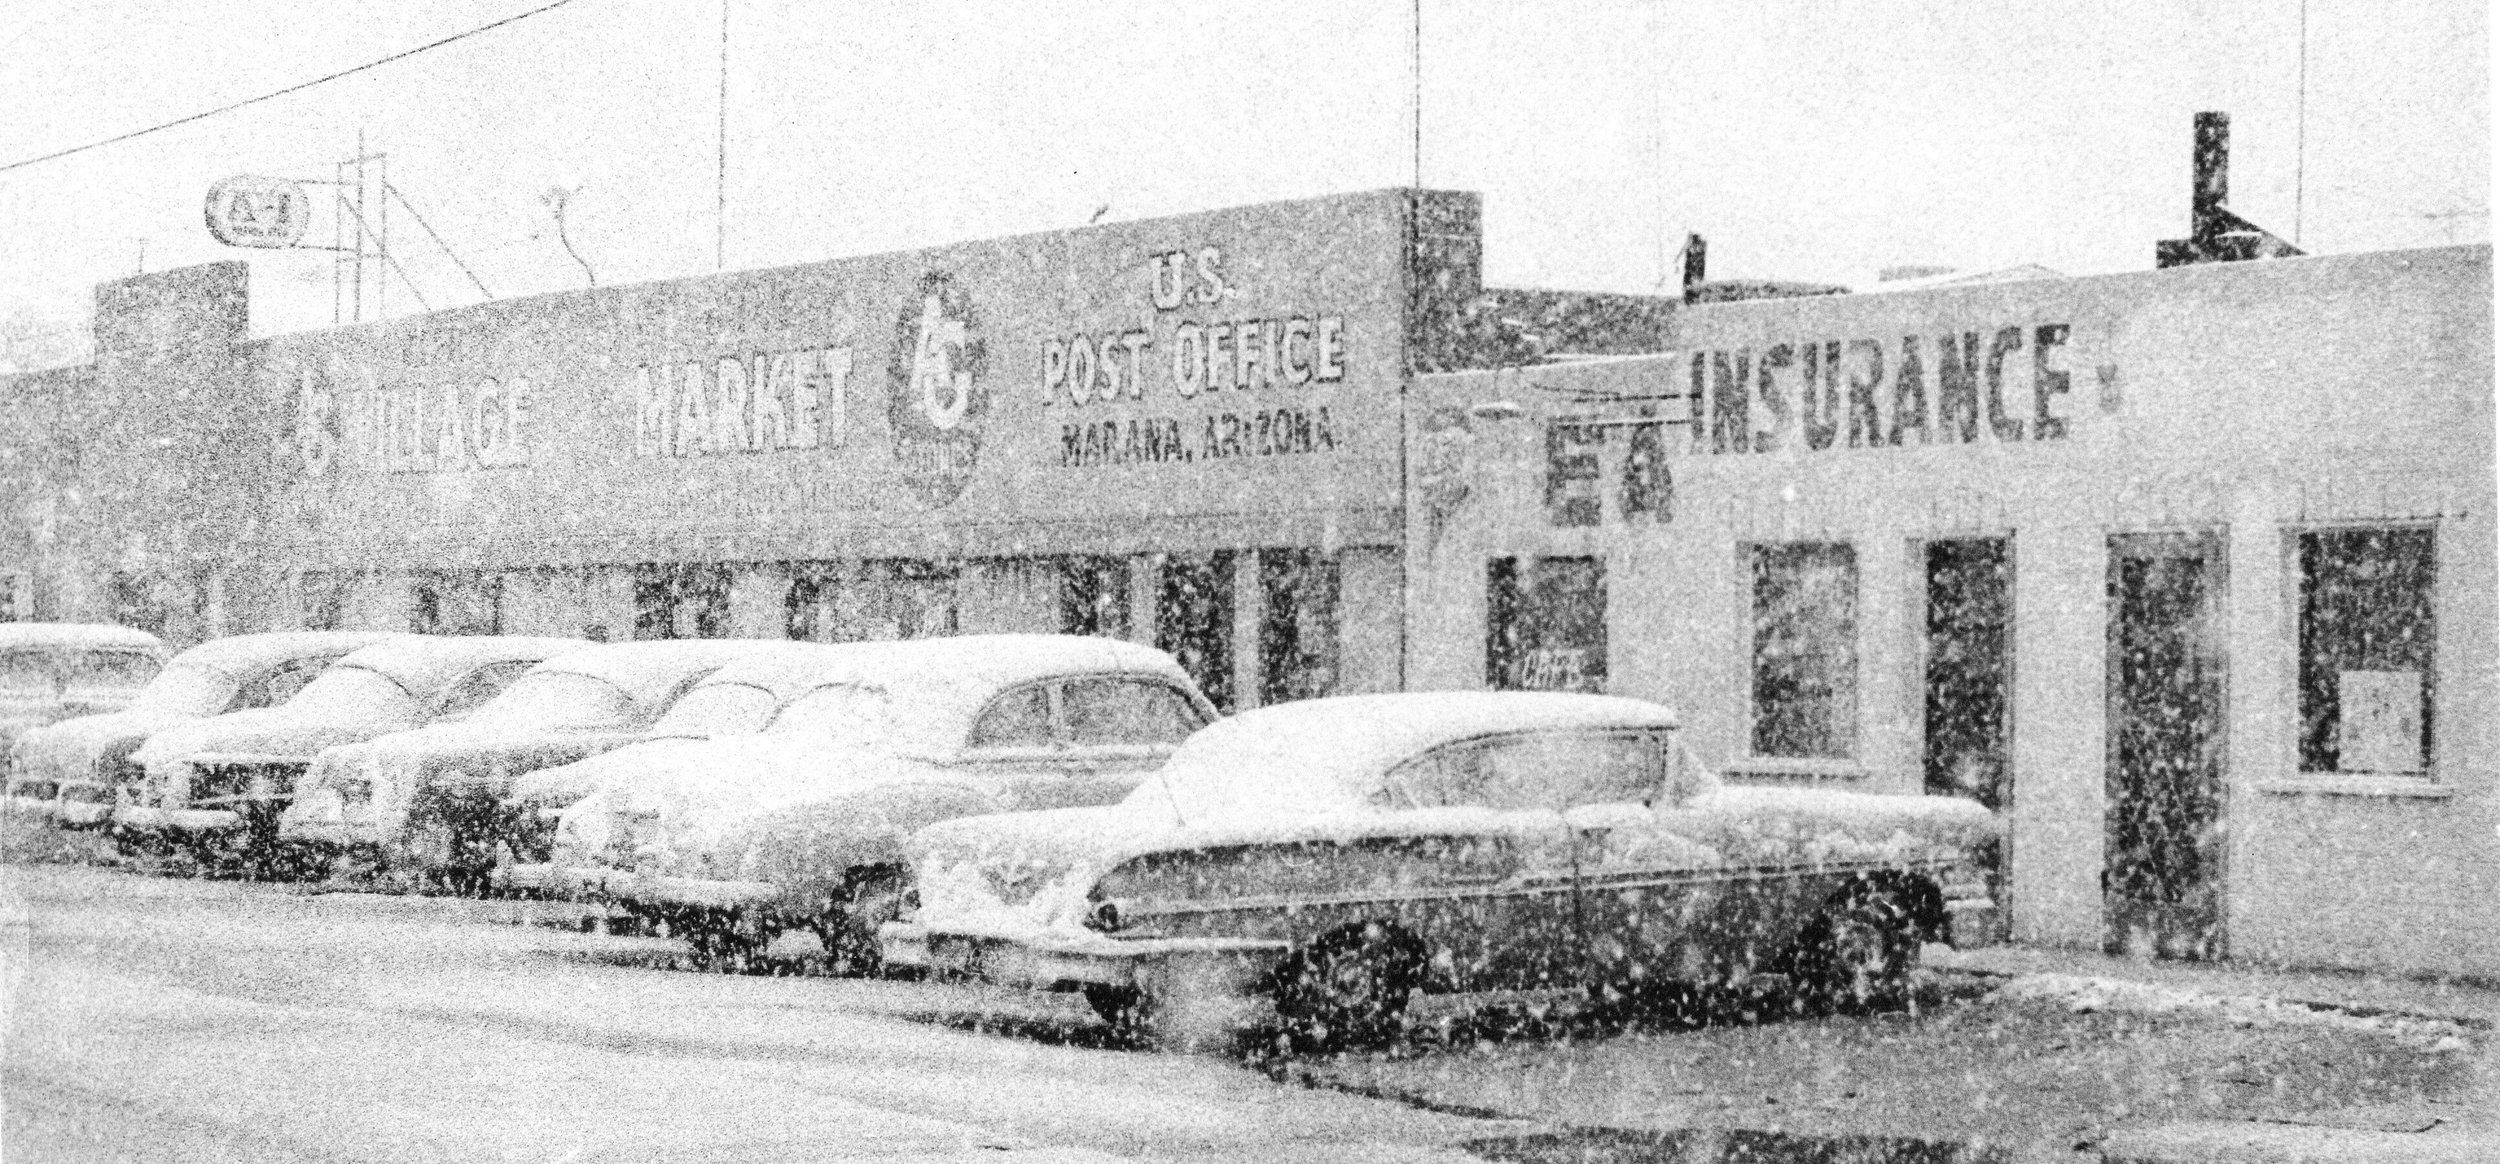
(1859, 953)
(848, 928)
(1350, 987)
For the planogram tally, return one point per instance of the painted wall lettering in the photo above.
(1185, 349)
(350, 420)
(1833, 393)
(763, 402)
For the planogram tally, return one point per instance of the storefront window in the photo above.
(1093, 596)
(2366, 642)
(456, 603)
(1805, 652)
(681, 600)
(1545, 624)
(810, 612)
(909, 599)
(1572, 475)
(1194, 620)
(324, 595)
(1298, 633)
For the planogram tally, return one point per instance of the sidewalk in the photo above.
(2350, 991)
(2460, 1128)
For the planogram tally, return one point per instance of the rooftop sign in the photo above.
(249, 211)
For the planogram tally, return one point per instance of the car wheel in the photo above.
(1350, 987)
(871, 898)
(1859, 953)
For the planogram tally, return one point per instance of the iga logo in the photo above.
(935, 402)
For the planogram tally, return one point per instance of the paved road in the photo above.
(150, 1019)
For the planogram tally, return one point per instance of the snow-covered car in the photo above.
(737, 700)
(426, 799)
(218, 785)
(1329, 859)
(735, 841)
(52, 671)
(68, 771)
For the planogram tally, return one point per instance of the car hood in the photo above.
(400, 767)
(69, 749)
(262, 731)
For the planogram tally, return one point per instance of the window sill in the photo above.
(1777, 768)
(2381, 787)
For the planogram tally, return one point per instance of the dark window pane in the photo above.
(1093, 596)
(1124, 711)
(1805, 658)
(1018, 719)
(1545, 624)
(1194, 620)
(2366, 648)
(1298, 634)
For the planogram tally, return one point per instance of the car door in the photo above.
(1119, 729)
(1670, 891)
(1495, 904)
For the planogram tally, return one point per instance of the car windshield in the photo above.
(558, 699)
(186, 690)
(345, 692)
(843, 713)
(717, 709)
(50, 670)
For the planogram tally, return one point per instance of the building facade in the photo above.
(2190, 572)
(1183, 431)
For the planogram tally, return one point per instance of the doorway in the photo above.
(1967, 685)
(2162, 859)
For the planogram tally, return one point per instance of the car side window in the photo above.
(1017, 719)
(1126, 711)
(1532, 770)
(479, 686)
(280, 684)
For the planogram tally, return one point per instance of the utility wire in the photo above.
(458, 36)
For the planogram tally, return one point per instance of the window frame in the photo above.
(1055, 726)
(1393, 796)
(1065, 728)
(1746, 629)
(2433, 779)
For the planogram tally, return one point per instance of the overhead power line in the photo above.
(458, 36)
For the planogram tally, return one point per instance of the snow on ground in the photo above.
(2083, 994)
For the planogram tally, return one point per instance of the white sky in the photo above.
(1806, 140)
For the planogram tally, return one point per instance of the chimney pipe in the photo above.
(1696, 263)
(2213, 175)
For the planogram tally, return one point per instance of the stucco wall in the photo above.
(2256, 400)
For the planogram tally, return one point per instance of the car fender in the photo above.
(812, 848)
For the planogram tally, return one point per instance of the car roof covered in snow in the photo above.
(935, 687)
(650, 671)
(240, 656)
(1319, 753)
(17, 636)
(784, 668)
(425, 664)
